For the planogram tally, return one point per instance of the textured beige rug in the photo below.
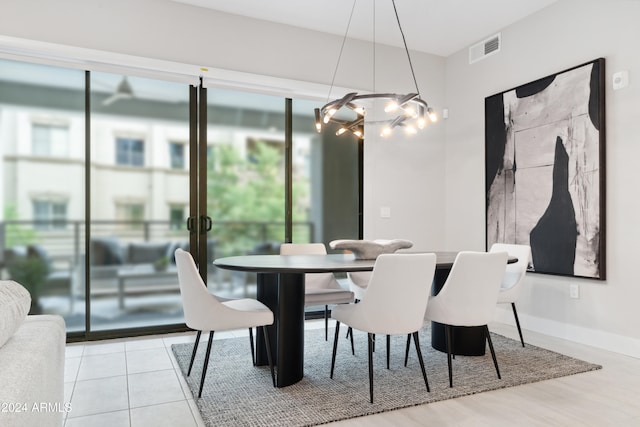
(238, 394)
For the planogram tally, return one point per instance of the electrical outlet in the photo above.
(385, 212)
(574, 291)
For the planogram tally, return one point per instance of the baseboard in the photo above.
(592, 337)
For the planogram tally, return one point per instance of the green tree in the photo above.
(16, 234)
(249, 192)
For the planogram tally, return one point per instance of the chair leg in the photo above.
(388, 349)
(371, 342)
(326, 323)
(267, 344)
(406, 352)
(448, 339)
(193, 354)
(353, 349)
(416, 341)
(206, 363)
(349, 331)
(335, 348)
(515, 314)
(493, 353)
(253, 353)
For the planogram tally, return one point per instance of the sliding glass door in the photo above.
(244, 182)
(139, 198)
(104, 175)
(42, 196)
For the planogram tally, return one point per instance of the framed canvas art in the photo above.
(545, 170)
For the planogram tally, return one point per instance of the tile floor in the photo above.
(133, 382)
(136, 382)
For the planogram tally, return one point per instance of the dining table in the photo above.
(280, 286)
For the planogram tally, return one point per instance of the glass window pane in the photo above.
(176, 155)
(132, 232)
(42, 144)
(245, 181)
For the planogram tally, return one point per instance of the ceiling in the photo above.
(439, 27)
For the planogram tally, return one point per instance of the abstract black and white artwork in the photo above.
(544, 170)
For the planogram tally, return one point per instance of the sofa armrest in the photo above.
(32, 374)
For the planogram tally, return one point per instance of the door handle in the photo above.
(191, 224)
(205, 224)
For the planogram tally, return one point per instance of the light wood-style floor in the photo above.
(136, 383)
(606, 397)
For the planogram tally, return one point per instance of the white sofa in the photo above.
(31, 364)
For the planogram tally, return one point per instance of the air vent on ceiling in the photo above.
(485, 48)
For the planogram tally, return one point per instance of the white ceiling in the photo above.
(439, 27)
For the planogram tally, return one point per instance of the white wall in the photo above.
(561, 36)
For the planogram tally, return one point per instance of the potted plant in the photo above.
(31, 273)
(161, 264)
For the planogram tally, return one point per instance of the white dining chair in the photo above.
(319, 288)
(513, 277)
(205, 313)
(468, 297)
(395, 303)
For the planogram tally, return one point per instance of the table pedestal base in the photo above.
(467, 340)
(283, 293)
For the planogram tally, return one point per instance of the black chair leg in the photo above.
(335, 348)
(267, 344)
(206, 363)
(353, 349)
(406, 352)
(515, 314)
(371, 342)
(253, 353)
(388, 349)
(449, 339)
(349, 330)
(417, 343)
(326, 323)
(493, 353)
(193, 354)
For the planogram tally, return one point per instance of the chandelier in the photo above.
(407, 111)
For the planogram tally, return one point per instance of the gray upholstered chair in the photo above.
(204, 312)
(513, 276)
(319, 288)
(468, 297)
(396, 300)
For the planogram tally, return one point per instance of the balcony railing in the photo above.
(66, 238)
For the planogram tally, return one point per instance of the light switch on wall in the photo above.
(574, 291)
(385, 212)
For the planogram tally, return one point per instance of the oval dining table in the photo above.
(280, 286)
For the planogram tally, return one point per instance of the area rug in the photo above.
(238, 394)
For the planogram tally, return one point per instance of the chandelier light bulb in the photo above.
(391, 106)
(410, 112)
(433, 116)
(410, 130)
(341, 131)
(421, 122)
(386, 131)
